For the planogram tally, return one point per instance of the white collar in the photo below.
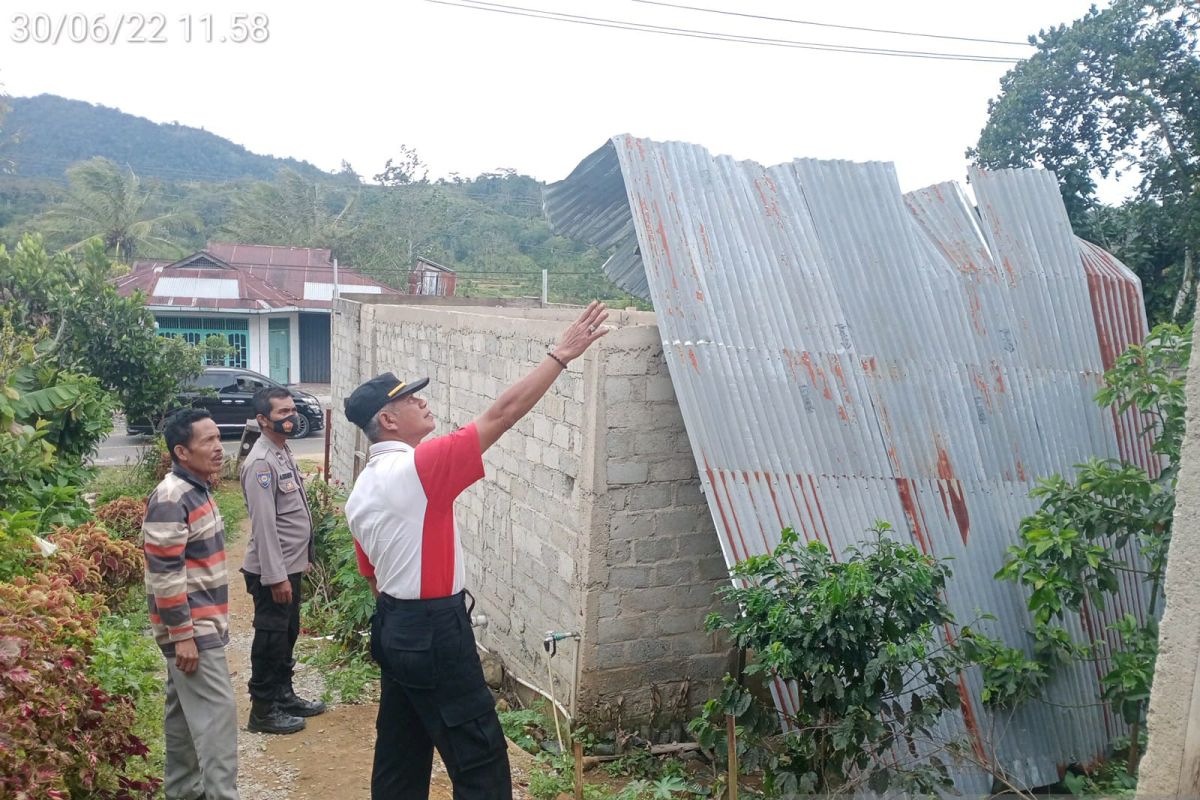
(379, 448)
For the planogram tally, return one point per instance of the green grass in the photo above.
(133, 481)
(350, 677)
(233, 508)
(125, 481)
(126, 661)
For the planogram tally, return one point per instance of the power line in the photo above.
(367, 272)
(691, 33)
(830, 24)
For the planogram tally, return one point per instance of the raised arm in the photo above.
(516, 401)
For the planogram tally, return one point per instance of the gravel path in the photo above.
(331, 758)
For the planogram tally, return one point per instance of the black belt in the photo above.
(386, 601)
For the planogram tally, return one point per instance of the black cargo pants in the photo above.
(276, 628)
(434, 695)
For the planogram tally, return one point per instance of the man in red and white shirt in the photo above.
(401, 512)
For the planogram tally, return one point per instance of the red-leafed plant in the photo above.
(95, 562)
(123, 517)
(61, 736)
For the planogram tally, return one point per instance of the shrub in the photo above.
(95, 562)
(340, 600)
(123, 517)
(61, 735)
(865, 641)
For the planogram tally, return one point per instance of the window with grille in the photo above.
(196, 330)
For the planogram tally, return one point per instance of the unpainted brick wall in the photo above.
(591, 517)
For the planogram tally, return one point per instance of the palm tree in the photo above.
(107, 202)
(294, 210)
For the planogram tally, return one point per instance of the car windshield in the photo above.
(210, 380)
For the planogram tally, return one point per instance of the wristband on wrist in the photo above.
(561, 363)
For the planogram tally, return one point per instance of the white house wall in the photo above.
(259, 345)
(259, 358)
(294, 342)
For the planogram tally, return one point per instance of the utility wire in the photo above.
(829, 24)
(691, 33)
(365, 272)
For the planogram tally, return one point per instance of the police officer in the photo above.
(402, 517)
(280, 551)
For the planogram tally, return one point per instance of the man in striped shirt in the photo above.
(187, 589)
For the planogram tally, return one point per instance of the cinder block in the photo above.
(631, 526)
(629, 577)
(646, 650)
(650, 497)
(674, 573)
(656, 600)
(623, 628)
(624, 472)
(622, 445)
(712, 569)
(619, 552)
(626, 362)
(681, 620)
(679, 521)
(639, 416)
(678, 468)
(654, 548)
(611, 654)
(690, 493)
(660, 388)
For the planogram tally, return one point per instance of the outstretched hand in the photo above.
(582, 332)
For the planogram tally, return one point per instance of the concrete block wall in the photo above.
(591, 517)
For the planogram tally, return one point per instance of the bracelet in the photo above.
(561, 363)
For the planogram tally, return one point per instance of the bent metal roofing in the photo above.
(843, 353)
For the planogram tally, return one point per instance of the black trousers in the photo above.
(434, 695)
(276, 628)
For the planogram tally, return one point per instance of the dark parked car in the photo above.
(228, 392)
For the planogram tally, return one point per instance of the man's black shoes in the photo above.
(270, 717)
(297, 706)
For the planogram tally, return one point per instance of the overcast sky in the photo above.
(474, 90)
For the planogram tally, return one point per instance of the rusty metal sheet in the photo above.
(843, 352)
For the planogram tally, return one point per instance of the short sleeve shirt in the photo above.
(401, 512)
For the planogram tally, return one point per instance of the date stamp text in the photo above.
(135, 28)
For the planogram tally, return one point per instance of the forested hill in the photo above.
(70, 171)
(52, 132)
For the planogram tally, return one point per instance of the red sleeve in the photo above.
(449, 464)
(365, 567)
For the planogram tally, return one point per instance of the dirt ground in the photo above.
(331, 758)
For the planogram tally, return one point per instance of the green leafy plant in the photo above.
(124, 661)
(339, 602)
(97, 331)
(862, 640)
(1110, 520)
(526, 727)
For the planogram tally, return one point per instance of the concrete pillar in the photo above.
(1171, 766)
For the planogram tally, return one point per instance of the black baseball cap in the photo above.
(365, 401)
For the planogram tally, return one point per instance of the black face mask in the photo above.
(287, 425)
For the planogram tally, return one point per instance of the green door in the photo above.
(280, 349)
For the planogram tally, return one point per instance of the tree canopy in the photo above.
(1116, 92)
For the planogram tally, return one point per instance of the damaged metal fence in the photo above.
(843, 353)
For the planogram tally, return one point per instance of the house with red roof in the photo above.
(272, 303)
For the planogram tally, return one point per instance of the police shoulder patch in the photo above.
(263, 475)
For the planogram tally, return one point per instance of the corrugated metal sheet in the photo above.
(844, 353)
